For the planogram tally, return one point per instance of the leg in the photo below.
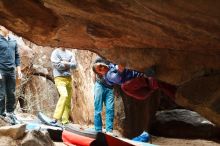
(98, 91)
(10, 92)
(109, 110)
(62, 89)
(2, 94)
(23, 104)
(67, 109)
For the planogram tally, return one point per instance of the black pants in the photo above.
(7, 91)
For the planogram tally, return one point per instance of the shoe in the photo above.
(12, 119)
(111, 134)
(3, 115)
(144, 137)
(53, 122)
(65, 123)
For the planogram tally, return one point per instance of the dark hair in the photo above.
(94, 68)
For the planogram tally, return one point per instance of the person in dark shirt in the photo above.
(9, 63)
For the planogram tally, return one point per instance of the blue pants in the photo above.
(7, 89)
(104, 95)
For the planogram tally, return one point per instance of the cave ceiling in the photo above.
(181, 38)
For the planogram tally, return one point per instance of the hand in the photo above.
(20, 75)
(145, 76)
(65, 62)
(121, 68)
(19, 72)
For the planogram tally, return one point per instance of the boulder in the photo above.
(15, 131)
(182, 123)
(37, 138)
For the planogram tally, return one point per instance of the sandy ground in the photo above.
(162, 141)
(183, 142)
(59, 144)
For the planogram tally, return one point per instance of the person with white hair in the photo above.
(103, 94)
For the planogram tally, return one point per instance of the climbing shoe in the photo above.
(12, 119)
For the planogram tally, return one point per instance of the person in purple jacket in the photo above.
(136, 84)
(117, 74)
(103, 95)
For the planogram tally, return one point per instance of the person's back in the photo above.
(137, 84)
(118, 76)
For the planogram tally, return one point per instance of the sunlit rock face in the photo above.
(180, 38)
(175, 36)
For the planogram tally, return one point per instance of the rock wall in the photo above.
(37, 91)
(40, 94)
(180, 38)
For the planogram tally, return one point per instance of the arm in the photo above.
(17, 62)
(57, 61)
(121, 68)
(131, 74)
(114, 75)
(136, 74)
(17, 56)
(19, 72)
(72, 63)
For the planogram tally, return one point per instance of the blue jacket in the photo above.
(9, 55)
(113, 76)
